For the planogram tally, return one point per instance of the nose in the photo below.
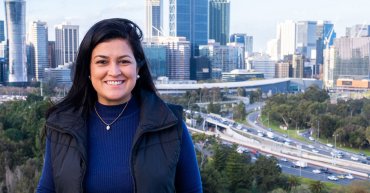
(114, 69)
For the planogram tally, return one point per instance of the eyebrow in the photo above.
(120, 57)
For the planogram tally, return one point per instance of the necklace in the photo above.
(109, 124)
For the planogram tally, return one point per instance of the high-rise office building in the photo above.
(244, 39)
(219, 20)
(189, 19)
(51, 54)
(176, 63)
(325, 34)
(154, 20)
(348, 58)
(38, 39)
(298, 65)
(156, 54)
(359, 30)
(286, 38)
(15, 15)
(282, 70)
(66, 43)
(306, 38)
(2, 31)
(262, 63)
(223, 58)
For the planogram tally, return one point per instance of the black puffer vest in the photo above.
(154, 155)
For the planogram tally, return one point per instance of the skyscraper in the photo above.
(154, 20)
(39, 48)
(306, 38)
(244, 39)
(286, 43)
(2, 31)
(348, 58)
(219, 20)
(15, 15)
(189, 19)
(66, 43)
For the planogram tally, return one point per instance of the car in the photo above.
(368, 158)
(333, 178)
(340, 176)
(316, 171)
(310, 146)
(315, 151)
(361, 154)
(329, 145)
(325, 171)
(349, 176)
(354, 158)
(283, 160)
(311, 138)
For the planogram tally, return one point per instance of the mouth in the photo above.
(114, 82)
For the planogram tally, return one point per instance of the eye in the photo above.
(124, 62)
(101, 62)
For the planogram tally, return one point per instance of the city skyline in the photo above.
(264, 15)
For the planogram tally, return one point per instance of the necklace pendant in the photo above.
(108, 127)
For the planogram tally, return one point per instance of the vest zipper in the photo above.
(133, 149)
(82, 157)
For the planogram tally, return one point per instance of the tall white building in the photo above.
(15, 15)
(38, 39)
(154, 18)
(66, 43)
(286, 37)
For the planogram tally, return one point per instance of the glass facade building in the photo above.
(189, 19)
(66, 43)
(306, 38)
(349, 58)
(156, 55)
(39, 48)
(176, 63)
(154, 21)
(223, 58)
(15, 15)
(2, 31)
(219, 20)
(243, 39)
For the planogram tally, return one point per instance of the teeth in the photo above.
(110, 82)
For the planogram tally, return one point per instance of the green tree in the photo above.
(266, 173)
(239, 111)
(317, 187)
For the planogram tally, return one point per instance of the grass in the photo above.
(290, 133)
(329, 185)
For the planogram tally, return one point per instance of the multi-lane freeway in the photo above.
(322, 165)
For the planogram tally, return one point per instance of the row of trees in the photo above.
(21, 149)
(348, 120)
(226, 171)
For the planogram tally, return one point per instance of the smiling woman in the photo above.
(113, 71)
(112, 132)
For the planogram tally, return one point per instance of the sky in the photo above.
(257, 18)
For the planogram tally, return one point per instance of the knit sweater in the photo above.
(108, 164)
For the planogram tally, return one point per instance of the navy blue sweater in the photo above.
(108, 168)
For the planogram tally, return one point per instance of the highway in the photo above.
(248, 137)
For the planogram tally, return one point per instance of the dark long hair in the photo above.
(82, 95)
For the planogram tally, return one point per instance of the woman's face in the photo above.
(113, 71)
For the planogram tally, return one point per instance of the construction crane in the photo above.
(328, 38)
(361, 29)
